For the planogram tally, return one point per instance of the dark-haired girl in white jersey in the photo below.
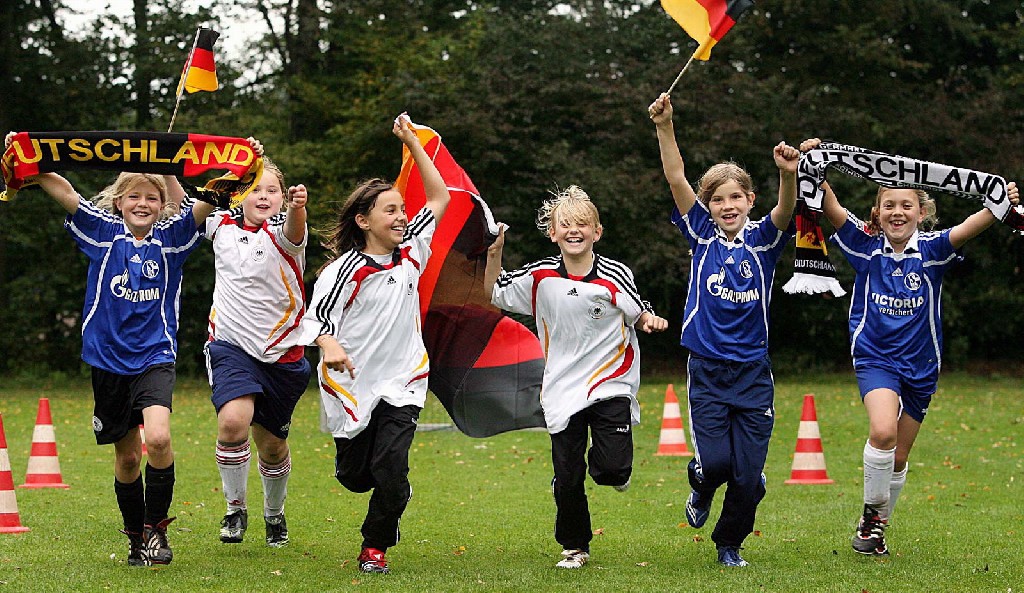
(365, 316)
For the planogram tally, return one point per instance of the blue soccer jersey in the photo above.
(896, 309)
(726, 315)
(130, 317)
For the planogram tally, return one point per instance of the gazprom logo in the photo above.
(715, 288)
(119, 288)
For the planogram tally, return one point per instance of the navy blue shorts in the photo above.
(120, 399)
(915, 394)
(277, 387)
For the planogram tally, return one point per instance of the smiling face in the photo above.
(730, 207)
(898, 213)
(384, 225)
(140, 207)
(264, 200)
(575, 237)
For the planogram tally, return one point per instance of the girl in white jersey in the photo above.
(254, 357)
(365, 316)
(586, 307)
(895, 330)
(129, 334)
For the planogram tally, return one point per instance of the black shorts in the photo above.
(120, 399)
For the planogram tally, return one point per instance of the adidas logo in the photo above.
(244, 239)
(391, 280)
(898, 272)
(730, 260)
(572, 292)
(768, 413)
(136, 259)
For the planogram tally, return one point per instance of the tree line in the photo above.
(530, 96)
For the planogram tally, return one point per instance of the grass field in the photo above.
(482, 515)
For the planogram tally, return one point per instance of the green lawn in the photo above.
(482, 515)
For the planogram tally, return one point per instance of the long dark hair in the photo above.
(344, 234)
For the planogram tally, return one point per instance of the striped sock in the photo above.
(233, 463)
(275, 485)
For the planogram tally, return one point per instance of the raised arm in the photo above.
(834, 211)
(57, 187)
(295, 218)
(786, 159)
(671, 160)
(493, 267)
(433, 185)
(976, 223)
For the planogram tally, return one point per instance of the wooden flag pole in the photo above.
(184, 76)
(699, 49)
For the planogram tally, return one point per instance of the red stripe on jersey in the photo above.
(365, 271)
(537, 277)
(293, 264)
(627, 362)
(612, 288)
(417, 378)
(334, 394)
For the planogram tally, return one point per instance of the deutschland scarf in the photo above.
(888, 171)
(185, 155)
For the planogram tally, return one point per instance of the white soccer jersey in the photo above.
(373, 310)
(585, 325)
(259, 297)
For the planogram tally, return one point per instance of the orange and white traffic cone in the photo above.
(673, 439)
(142, 435)
(809, 459)
(10, 522)
(43, 466)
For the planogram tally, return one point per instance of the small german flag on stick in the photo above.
(200, 71)
(707, 21)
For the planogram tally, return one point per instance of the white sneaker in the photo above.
(573, 559)
(623, 487)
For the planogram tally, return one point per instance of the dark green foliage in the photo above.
(534, 96)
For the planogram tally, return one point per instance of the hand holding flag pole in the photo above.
(706, 21)
(200, 71)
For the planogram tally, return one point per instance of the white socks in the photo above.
(899, 478)
(233, 463)
(878, 476)
(275, 485)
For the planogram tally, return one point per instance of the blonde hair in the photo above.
(926, 202)
(719, 174)
(124, 184)
(572, 205)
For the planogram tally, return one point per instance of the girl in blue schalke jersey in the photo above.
(730, 387)
(895, 330)
(129, 333)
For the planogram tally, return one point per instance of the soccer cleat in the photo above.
(157, 549)
(730, 556)
(277, 531)
(573, 559)
(869, 538)
(698, 507)
(136, 549)
(623, 487)
(233, 526)
(372, 560)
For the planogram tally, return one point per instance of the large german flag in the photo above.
(485, 368)
(707, 21)
(200, 71)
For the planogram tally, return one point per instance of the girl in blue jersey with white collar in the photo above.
(129, 334)
(895, 330)
(730, 387)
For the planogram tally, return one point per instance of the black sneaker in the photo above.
(136, 549)
(277, 531)
(157, 548)
(869, 538)
(233, 526)
(730, 556)
(698, 507)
